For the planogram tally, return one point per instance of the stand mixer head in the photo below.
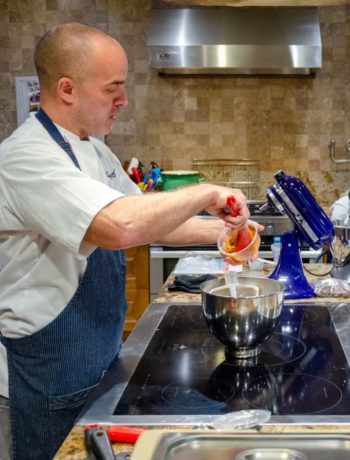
(311, 224)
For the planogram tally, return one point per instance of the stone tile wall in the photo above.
(284, 122)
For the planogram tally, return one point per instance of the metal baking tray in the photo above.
(204, 445)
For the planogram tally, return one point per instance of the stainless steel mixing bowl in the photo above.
(244, 322)
(340, 248)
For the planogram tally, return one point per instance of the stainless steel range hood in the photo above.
(227, 40)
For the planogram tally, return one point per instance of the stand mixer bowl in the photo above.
(340, 248)
(243, 323)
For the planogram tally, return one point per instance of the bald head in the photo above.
(66, 51)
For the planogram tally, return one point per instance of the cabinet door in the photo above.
(137, 286)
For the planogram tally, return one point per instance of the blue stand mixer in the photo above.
(311, 224)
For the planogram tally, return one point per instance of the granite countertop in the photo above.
(74, 446)
(320, 271)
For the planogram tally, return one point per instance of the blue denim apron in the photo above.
(53, 371)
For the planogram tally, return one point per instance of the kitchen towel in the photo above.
(187, 283)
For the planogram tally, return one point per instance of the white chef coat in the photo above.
(46, 206)
(340, 208)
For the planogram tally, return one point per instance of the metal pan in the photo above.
(204, 445)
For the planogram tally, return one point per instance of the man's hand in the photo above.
(220, 208)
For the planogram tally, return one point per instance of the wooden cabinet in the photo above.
(137, 286)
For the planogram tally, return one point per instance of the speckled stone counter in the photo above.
(74, 447)
(320, 271)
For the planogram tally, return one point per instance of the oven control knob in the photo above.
(269, 229)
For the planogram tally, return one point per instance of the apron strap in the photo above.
(50, 127)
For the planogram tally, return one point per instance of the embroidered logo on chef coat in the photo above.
(111, 174)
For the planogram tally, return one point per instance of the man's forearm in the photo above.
(195, 231)
(135, 220)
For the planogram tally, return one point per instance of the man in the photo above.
(67, 209)
(340, 209)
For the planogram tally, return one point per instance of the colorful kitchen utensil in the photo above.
(244, 236)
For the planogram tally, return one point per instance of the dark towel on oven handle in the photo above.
(188, 283)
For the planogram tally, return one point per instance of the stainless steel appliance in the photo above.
(207, 444)
(164, 258)
(172, 370)
(341, 252)
(235, 40)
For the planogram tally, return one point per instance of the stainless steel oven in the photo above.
(164, 258)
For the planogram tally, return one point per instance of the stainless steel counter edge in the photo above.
(105, 398)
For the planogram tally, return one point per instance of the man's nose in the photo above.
(122, 100)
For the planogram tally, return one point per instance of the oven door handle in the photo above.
(178, 253)
(159, 253)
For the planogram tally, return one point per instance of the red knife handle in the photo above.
(233, 206)
(124, 434)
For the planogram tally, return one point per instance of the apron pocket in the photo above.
(63, 411)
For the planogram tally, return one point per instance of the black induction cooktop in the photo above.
(302, 369)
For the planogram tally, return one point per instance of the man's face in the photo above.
(102, 94)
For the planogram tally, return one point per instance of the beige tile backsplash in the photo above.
(284, 122)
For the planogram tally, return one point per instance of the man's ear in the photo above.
(65, 89)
